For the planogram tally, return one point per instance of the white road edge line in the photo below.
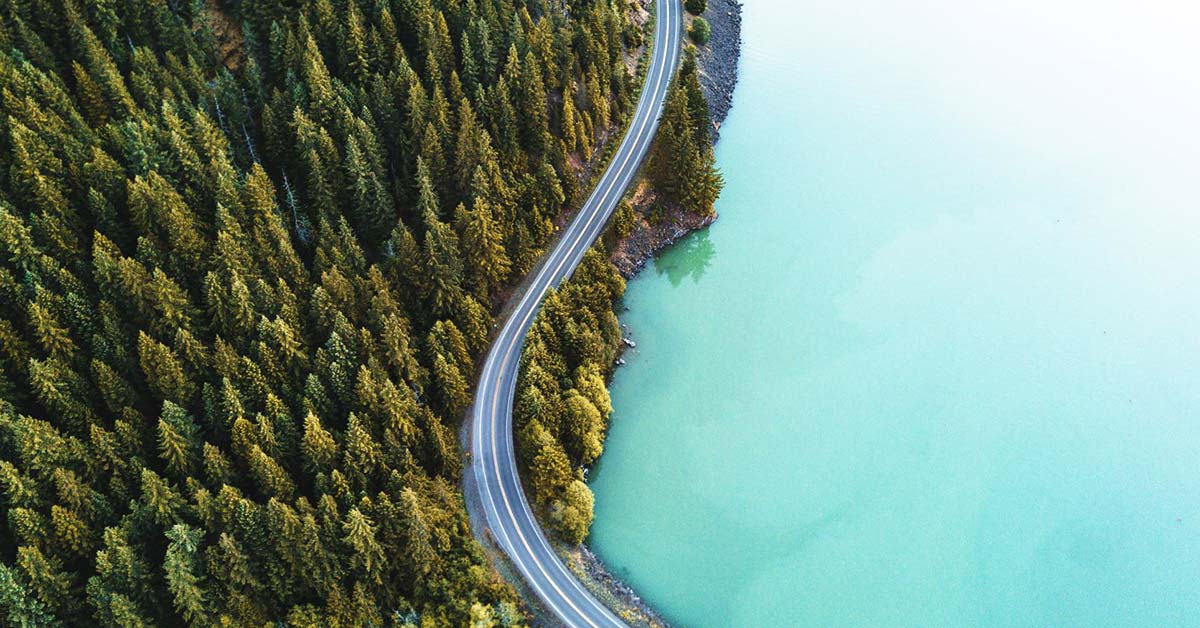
(566, 251)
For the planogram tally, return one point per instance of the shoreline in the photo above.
(717, 63)
(503, 306)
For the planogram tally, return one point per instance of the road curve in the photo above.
(509, 518)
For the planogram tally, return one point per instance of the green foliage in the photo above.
(572, 513)
(563, 407)
(242, 297)
(623, 219)
(681, 163)
(18, 606)
(695, 7)
(700, 31)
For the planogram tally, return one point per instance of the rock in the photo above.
(632, 253)
(718, 60)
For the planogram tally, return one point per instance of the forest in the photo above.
(562, 406)
(249, 254)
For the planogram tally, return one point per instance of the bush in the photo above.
(572, 515)
(622, 221)
(700, 31)
(695, 7)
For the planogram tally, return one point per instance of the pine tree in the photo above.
(180, 568)
(420, 554)
(318, 445)
(366, 553)
(443, 263)
(161, 498)
(473, 149)
(317, 81)
(451, 386)
(568, 122)
(163, 372)
(47, 580)
(681, 162)
(353, 47)
(99, 65)
(178, 444)
(482, 247)
(370, 202)
(533, 109)
(362, 456)
(20, 607)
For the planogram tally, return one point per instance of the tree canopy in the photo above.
(562, 407)
(681, 163)
(249, 253)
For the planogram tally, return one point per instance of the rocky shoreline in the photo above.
(657, 226)
(718, 61)
(609, 589)
(717, 64)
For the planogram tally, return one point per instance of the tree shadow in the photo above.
(690, 257)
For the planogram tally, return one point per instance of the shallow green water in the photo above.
(938, 364)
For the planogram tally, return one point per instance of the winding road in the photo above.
(509, 518)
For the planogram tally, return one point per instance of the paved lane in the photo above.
(509, 518)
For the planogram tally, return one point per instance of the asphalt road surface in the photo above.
(510, 520)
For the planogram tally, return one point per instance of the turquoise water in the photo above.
(938, 364)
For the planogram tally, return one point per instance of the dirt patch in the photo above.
(656, 226)
(228, 32)
(639, 16)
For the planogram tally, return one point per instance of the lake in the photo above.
(938, 363)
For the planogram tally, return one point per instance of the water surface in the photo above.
(938, 364)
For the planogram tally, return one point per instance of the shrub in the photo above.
(700, 31)
(695, 7)
(620, 225)
(572, 515)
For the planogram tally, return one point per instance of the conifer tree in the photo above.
(180, 568)
(420, 553)
(240, 314)
(444, 264)
(19, 604)
(482, 247)
(178, 442)
(360, 537)
(681, 162)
